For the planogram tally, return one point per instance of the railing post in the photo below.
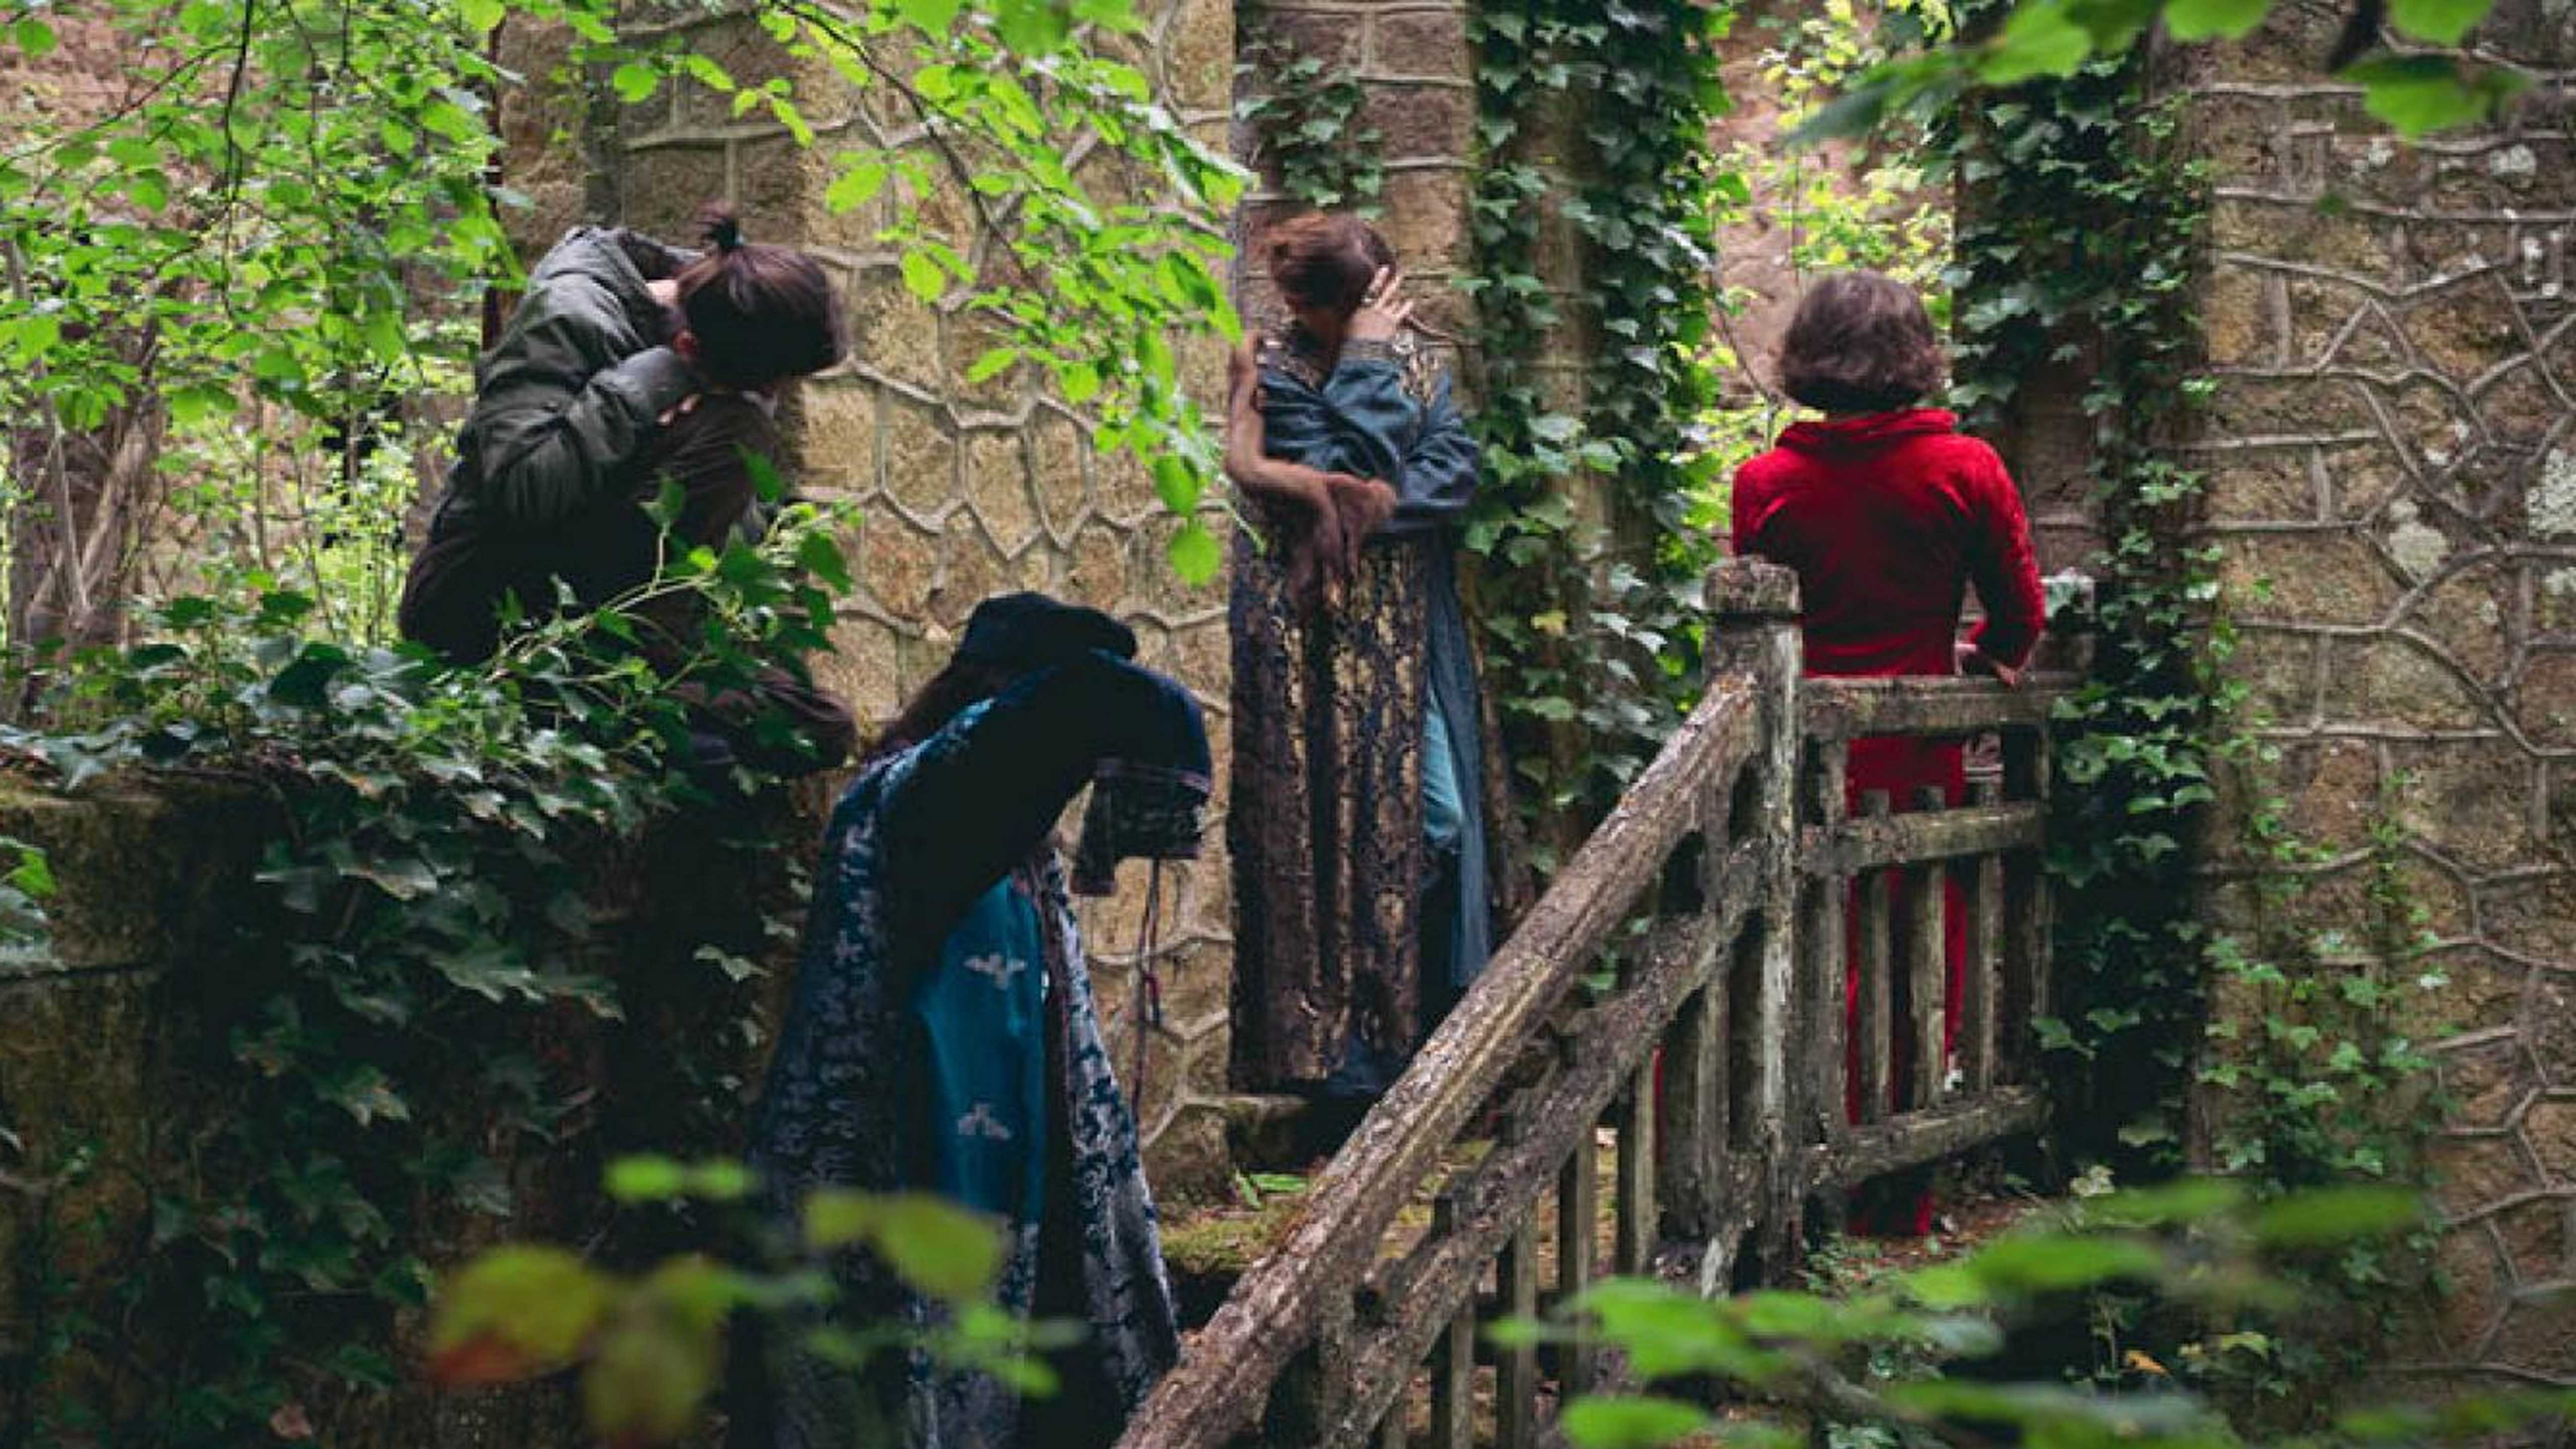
(1754, 628)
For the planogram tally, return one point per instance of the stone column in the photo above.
(1417, 75)
(2391, 453)
(964, 489)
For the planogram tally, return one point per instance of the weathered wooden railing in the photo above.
(1721, 890)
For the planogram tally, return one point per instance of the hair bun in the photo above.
(720, 227)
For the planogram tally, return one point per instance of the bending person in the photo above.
(942, 1033)
(631, 364)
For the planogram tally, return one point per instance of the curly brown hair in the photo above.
(1860, 343)
(1325, 259)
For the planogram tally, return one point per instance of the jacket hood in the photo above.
(1866, 432)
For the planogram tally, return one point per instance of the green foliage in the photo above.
(1881, 207)
(2416, 92)
(1308, 117)
(240, 293)
(420, 911)
(650, 1347)
(1963, 1326)
(1593, 631)
(2079, 236)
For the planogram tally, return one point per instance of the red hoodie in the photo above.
(1887, 518)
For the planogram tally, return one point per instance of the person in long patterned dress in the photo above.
(942, 1033)
(1360, 823)
(1889, 514)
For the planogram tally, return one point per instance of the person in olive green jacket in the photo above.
(630, 364)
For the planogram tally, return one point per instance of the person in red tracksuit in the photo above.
(1888, 514)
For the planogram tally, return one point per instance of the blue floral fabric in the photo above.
(942, 1033)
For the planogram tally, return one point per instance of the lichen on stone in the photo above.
(2418, 547)
(2552, 502)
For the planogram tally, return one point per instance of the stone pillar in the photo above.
(2393, 451)
(1417, 74)
(964, 489)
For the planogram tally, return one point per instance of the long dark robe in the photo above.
(1333, 879)
(928, 842)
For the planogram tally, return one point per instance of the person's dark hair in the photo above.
(1325, 259)
(1860, 343)
(760, 313)
(960, 683)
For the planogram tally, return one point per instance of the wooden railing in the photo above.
(1709, 1065)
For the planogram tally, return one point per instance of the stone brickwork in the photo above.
(2393, 455)
(964, 490)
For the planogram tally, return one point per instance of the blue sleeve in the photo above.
(1359, 422)
(1440, 473)
(981, 795)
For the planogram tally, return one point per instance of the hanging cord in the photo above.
(1149, 985)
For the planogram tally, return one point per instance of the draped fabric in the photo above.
(1339, 896)
(943, 1034)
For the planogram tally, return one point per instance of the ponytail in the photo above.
(760, 313)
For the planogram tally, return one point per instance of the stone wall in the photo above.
(2395, 488)
(964, 489)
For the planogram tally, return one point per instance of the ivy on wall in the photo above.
(1306, 118)
(1593, 216)
(2262, 1044)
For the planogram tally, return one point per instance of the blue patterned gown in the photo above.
(942, 1035)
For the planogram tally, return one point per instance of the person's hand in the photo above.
(1363, 505)
(1383, 308)
(1973, 660)
(665, 293)
(680, 409)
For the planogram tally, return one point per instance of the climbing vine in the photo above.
(419, 975)
(1589, 555)
(2280, 1049)
(1305, 116)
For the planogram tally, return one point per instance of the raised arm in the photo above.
(1439, 479)
(575, 388)
(1360, 422)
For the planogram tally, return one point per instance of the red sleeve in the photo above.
(1748, 503)
(2004, 568)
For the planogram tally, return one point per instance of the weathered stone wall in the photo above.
(964, 489)
(2391, 457)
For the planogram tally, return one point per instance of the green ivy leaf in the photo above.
(2322, 1216)
(2442, 22)
(937, 1246)
(512, 1314)
(2214, 19)
(923, 277)
(635, 81)
(1639, 1423)
(646, 1179)
(856, 186)
(2041, 39)
(35, 38)
(2419, 94)
(930, 17)
(481, 15)
(1032, 27)
(1195, 554)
